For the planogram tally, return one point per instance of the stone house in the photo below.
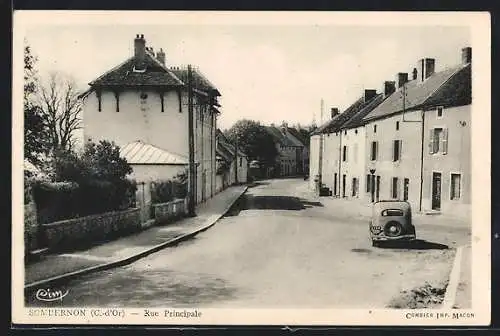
(419, 140)
(291, 151)
(236, 166)
(143, 103)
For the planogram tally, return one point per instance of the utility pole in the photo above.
(192, 171)
(236, 159)
(320, 168)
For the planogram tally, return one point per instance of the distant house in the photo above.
(233, 164)
(142, 104)
(291, 150)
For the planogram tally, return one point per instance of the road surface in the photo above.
(279, 247)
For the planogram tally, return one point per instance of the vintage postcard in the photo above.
(270, 168)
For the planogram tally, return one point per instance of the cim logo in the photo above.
(48, 295)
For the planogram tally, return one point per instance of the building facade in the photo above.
(411, 143)
(143, 100)
(292, 152)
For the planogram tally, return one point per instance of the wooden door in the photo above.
(436, 191)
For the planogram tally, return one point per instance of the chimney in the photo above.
(402, 78)
(160, 56)
(389, 88)
(334, 111)
(369, 94)
(466, 55)
(425, 68)
(139, 52)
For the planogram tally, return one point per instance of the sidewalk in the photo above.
(54, 267)
(463, 299)
(359, 210)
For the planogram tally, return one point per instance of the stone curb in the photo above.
(128, 260)
(454, 279)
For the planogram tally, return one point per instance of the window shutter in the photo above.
(444, 142)
(431, 141)
(392, 187)
(400, 152)
(376, 150)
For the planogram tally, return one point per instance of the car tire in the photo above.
(393, 229)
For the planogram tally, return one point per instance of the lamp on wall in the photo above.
(462, 123)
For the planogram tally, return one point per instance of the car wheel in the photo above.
(393, 229)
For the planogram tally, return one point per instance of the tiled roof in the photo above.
(297, 135)
(228, 146)
(280, 137)
(457, 91)
(138, 152)
(124, 75)
(417, 93)
(199, 80)
(357, 119)
(336, 123)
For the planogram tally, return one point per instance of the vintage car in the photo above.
(391, 220)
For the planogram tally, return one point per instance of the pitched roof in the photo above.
(297, 135)
(417, 93)
(138, 152)
(155, 74)
(357, 119)
(226, 144)
(336, 123)
(284, 140)
(457, 91)
(199, 80)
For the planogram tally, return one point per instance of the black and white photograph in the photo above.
(251, 168)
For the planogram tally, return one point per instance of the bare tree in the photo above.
(61, 110)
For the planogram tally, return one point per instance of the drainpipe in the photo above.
(340, 162)
(422, 162)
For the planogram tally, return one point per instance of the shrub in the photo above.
(91, 183)
(166, 191)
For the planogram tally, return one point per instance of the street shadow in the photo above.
(416, 244)
(257, 184)
(251, 202)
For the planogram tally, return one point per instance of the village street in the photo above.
(279, 247)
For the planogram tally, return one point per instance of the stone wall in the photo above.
(91, 229)
(169, 211)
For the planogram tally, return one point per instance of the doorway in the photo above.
(343, 185)
(436, 191)
(406, 186)
(335, 185)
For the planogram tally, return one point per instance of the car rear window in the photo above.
(392, 212)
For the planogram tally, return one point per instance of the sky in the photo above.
(266, 72)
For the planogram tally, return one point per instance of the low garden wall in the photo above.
(91, 229)
(30, 227)
(165, 212)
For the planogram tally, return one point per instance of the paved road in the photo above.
(279, 248)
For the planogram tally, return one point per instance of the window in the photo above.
(374, 150)
(355, 131)
(406, 186)
(241, 162)
(374, 128)
(345, 132)
(394, 187)
(396, 150)
(117, 98)
(344, 154)
(368, 183)
(438, 140)
(397, 125)
(162, 101)
(439, 112)
(99, 106)
(455, 186)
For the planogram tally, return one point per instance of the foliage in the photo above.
(306, 131)
(35, 133)
(254, 140)
(166, 191)
(100, 177)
